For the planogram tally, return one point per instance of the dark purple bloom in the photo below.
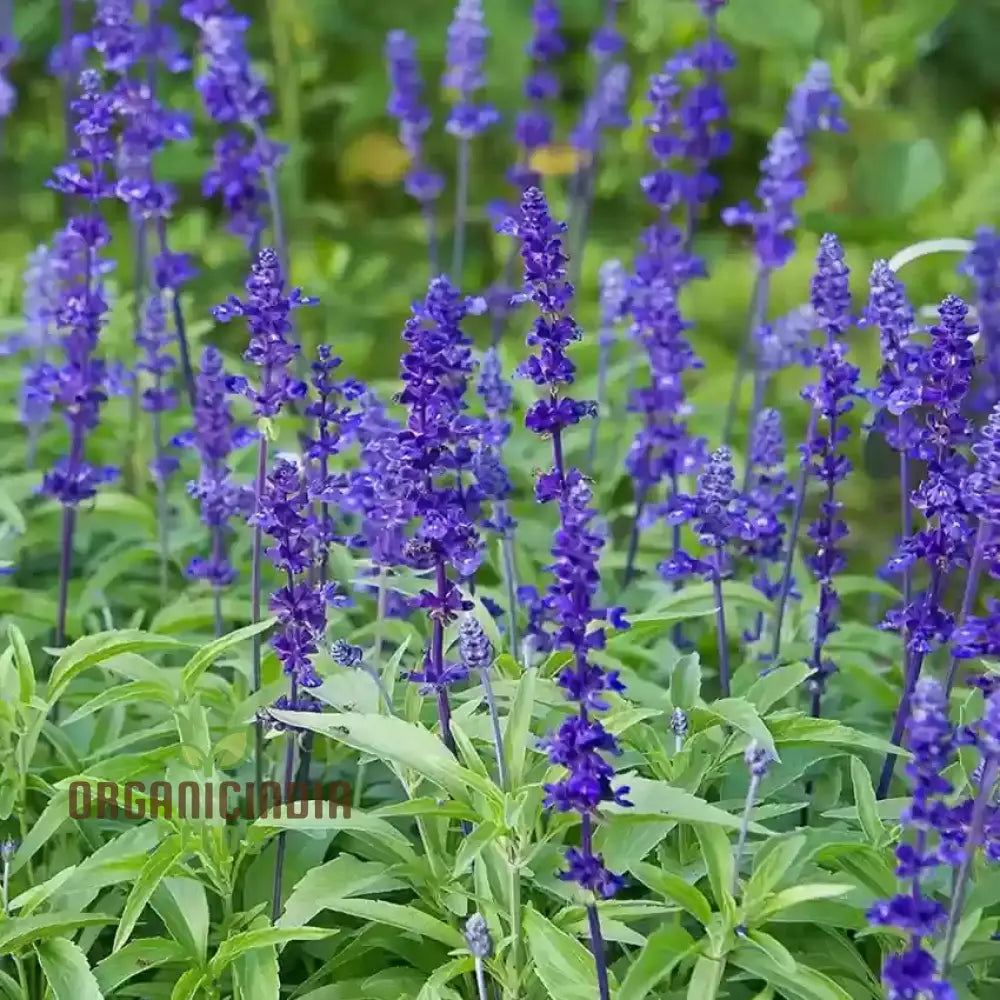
(407, 107)
(284, 513)
(605, 109)
(79, 387)
(832, 398)
(215, 435)
(769, 496)
(267, 308)
(581, 742)
(474, 646)
(983, 267)
(813, 107)
(467, 37)
(234, 95)
(931, 740)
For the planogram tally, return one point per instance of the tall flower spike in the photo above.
(215, 436)
(614, 285)
(687, 134)
(832, 398)
(722, 525)
(769, 495)
(79, 387)
(406, 105)
(983, 267)
(266, 308)
(234, 95)
(423, 475)
(930, 739)
(8, 52)
(581, 743)
(467, 37)
(813, 107)
(941, 500)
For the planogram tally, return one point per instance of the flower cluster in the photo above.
(467, 37)
(215, 435)
(931, 740)
(832, 397)
(284, 513)
(267, 309)
(813, 107)
(941, 499)
(79, 386)
(533, 126)
(406, 106)
(606, 107)
(581, 743)
(769, 495)
(235, 97)
(491, 474)
(983, 267)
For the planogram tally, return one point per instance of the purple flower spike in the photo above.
(467, 38)
(581, 744)
(215, 435)
(267, 309)
(832, 398)
(407, 107)
(983, 267)
(931, 740)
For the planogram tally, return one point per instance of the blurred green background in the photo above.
(920, 81)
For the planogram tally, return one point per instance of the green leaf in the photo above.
(257, 975)
(205, 656)
(718, 854)
(517, 731)
(186, 988)
(472, 846)
(19, 932)
(406, 918)
(706, 978)
(136, 692)
(773, 25)
(22, 660)
(804, 983)
(685, 681)
(391, 738)
(67, 970)
(181, 903)
(773, 862)
(136, 957)
(156, 868)
(894, 177)
(661, 799)
(741, 715)
(802, 894)
(356, 822)
(774, 950)
(777, 684)
(563, 964)
(262, 937)
(674, 888)
(799, 728)
(90, 650)
(663, 951)
(55, 813)
(866, 801)
(340, 878)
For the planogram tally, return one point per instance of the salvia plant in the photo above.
(529, 671)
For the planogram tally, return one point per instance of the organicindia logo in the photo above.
(212, 796)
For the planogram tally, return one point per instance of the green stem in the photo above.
(512, 991)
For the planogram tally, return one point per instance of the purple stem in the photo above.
(279, 859)
(720, 623)
(914, 663)
(163, 530)
(180, 327)
(65, 565)
(139, 281)
(255, 603)
(437, 662)
(793, 535)
(633, 538)
(593, 917)
(984, 798)
(907, 513)
(217, 552)
(433, 253)
(971, 586)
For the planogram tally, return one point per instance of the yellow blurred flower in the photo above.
(375, 156)
(559, 160)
